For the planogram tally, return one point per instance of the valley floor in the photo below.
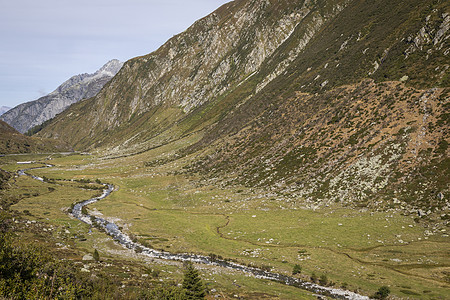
(357, 249)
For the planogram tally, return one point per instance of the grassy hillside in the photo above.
(371, 145)
(11, 141)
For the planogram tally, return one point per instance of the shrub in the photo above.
(266, 268)
(155, 273)
(382, 293)
(323, 279)
(84, 210)
(96, 255)
(297, 269)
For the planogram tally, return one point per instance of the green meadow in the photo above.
(356, 249)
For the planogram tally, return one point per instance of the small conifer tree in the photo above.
(192, 283)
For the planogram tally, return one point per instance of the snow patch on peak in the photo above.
(110, 68)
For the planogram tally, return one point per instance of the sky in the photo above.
(45, 42)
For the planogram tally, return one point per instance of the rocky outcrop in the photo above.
(27, 115)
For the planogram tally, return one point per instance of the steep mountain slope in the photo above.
(368, 144)
(27, 115)
(199, 66)
(311, 101)
(12, 141)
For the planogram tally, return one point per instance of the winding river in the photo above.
(122, 238)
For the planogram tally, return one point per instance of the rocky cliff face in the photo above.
(27, 115)
(318, 101)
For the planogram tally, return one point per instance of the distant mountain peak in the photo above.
(111, 68)
(27, 115)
